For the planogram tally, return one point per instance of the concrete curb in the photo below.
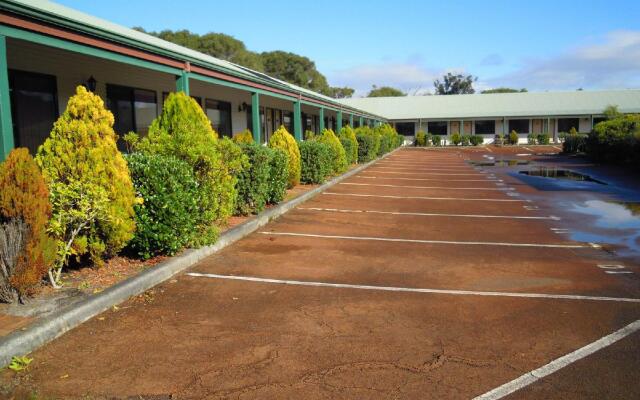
(45, 330)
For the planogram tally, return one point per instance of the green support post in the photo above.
(182, 83)
(321, 118)
(6, 124)
(339, 121)
(504, 127)
(361, 121)
(351, 120)
(255, 116)
(297, 120)
(461, 128)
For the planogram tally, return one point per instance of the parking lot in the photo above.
(420, 277)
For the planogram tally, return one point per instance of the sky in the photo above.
(539, 45)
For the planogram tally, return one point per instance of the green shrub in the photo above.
(245, 137)
(24, 213)
(349, 134)
(436, 140)
(476, 140)
(513, 138)
(167, 219)
(316, 161)
(562, 136)
(85, 171)
(466, 140)
(348, 150)
(253, 181)
(574, 143)
(184, 131)
(532, 138)
(421, 139)
(399, 140)
(281, 139)
(616, 140)
(455, 139)
(573, 131)
(366, 147)
(388, 138)
(278, 175)
(338, 155)
(543, 138)
(309, 135)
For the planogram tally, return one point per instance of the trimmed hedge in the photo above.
(281, 139)
(253, 181)
(616, 140)
(543, 138)
(167, 218)
(476, 140)
(316, 161)
(278, 176)
(350, 135)
(421, 139)
(574, 143)
(366, 147)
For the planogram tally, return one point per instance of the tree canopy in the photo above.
(455, 84)
(385, 91)
(289, 67)
(504, 90)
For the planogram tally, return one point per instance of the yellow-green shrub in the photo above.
(184, 131)
(338, 156)
(84, 170)
(348, 133)
(281, 139)
(24, 199)
(245, 137)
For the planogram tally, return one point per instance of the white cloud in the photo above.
(612, 63)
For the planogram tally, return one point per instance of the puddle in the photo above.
(499, 163)
(614, 223)
(547, 172)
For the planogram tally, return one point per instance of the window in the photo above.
(485, 127)
(34, 107)
(597, 120)
(437, 127)
(133, 109)
(519, 125)
(565, 124)
(219, 113)
(287, 120)
(406, 128)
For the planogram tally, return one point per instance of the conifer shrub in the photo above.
(89, 184)
(253, 182)
(543, 138)
(513, 138)
(278, 175)
(184, 131)
(316, 161)
(309, 135)
(26, 250)
(338, 155)
(245, 137)
(388, 138)
(281, 139)
(421, 139)
(532, 138)
(465, 140)
(436, 140)
(456, 139)
(348, 147)
(349, 134)
(166, 221)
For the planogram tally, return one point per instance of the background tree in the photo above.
(455, 84)
(504, 90)
(385, 91)
(340, 92)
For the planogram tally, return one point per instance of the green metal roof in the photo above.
(528, 104)
(69, 18)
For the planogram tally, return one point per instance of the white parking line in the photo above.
(420, 197)
(618, 272)
(340, 210)
(467, 169)
(426, 179)
(422, 187)
(559, 363)
(372, 169)
(423, 241)
(414, 290)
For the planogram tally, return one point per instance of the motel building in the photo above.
(47, 50)
(495, 113)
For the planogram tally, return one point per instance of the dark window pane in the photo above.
(437, 127)
(565, 124)
(145, 109)
(519, 125)
(34, 107)
(287, 120)
(219, 113)
(597, 121)
(120, 102)
(485, 127)
(406, 128)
